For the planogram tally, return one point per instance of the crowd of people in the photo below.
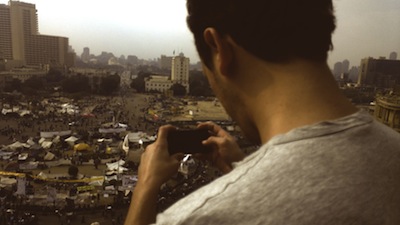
(84, 124)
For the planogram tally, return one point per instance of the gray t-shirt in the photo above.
(345, 171)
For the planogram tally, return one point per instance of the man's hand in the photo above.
(225, 149)
(156, 167)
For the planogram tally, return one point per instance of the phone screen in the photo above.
(188, 141)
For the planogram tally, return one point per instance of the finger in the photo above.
(208, 124)
(214, 128)
(163, 131)
(213, 140)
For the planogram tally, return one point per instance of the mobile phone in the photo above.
(188, 141)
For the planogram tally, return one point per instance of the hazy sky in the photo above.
(149, 28)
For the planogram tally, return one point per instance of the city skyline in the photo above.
(147, 29)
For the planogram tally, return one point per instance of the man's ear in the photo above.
(221, 51)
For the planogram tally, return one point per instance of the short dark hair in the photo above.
(273, 30)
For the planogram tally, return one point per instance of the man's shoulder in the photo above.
(344, 164)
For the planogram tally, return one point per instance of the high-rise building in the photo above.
(345, 66)
(353, 74)
(5, 33)
(180, 70)
(85, 55)
(337, 69)
(166, 62)
(380, 72)
(180, 66)
(132, 60)
(20, 39)
(393, 56)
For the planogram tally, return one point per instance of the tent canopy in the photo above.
(81, 147)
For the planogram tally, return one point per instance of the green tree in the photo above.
(139, 83)
(74, 84)
(54, 76)
(198, 84)
(178, 89)
(110, 84)
(14, 85)
(34, 83)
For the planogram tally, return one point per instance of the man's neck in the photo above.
(300, 94)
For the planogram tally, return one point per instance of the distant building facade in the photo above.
(166, 62)
(23, 74)
(387, 111)
(393, 56)
(132, 60)
(158, 83)
(180, 70)
(345, 66)
(337, 69)
(180, 66)
(85, 56)
(380, 72)
(20, 39)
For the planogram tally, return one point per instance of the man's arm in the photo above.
(143, 207)
(156, 167)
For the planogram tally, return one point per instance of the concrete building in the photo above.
(337, 69)
(380, 72)
(158, 83)
(387, 111)
(166, 62)
(180, 70)
(85, 55)
(5, 33)
(393, 56)
(20, 39)
(345, 66)
(132, 60)
(23, 74)
(180, 66)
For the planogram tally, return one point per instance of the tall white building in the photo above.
(180, 70)
(180, 66)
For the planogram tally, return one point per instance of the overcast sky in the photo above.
(149, 28)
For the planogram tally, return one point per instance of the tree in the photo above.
(199, 85)
(178, 89)
(14, 85)
(139, 83)
(76, 84)
(110, 84)
(54, 76)
(34, 83)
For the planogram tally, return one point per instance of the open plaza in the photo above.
(68, 159)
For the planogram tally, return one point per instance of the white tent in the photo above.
(71, 140)
(17, 145)
(46, 144)
(137, 138)
(30, 142)
(56, 139)
(41, 140)
(5, 181)
(117, 166)
(49, 156)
